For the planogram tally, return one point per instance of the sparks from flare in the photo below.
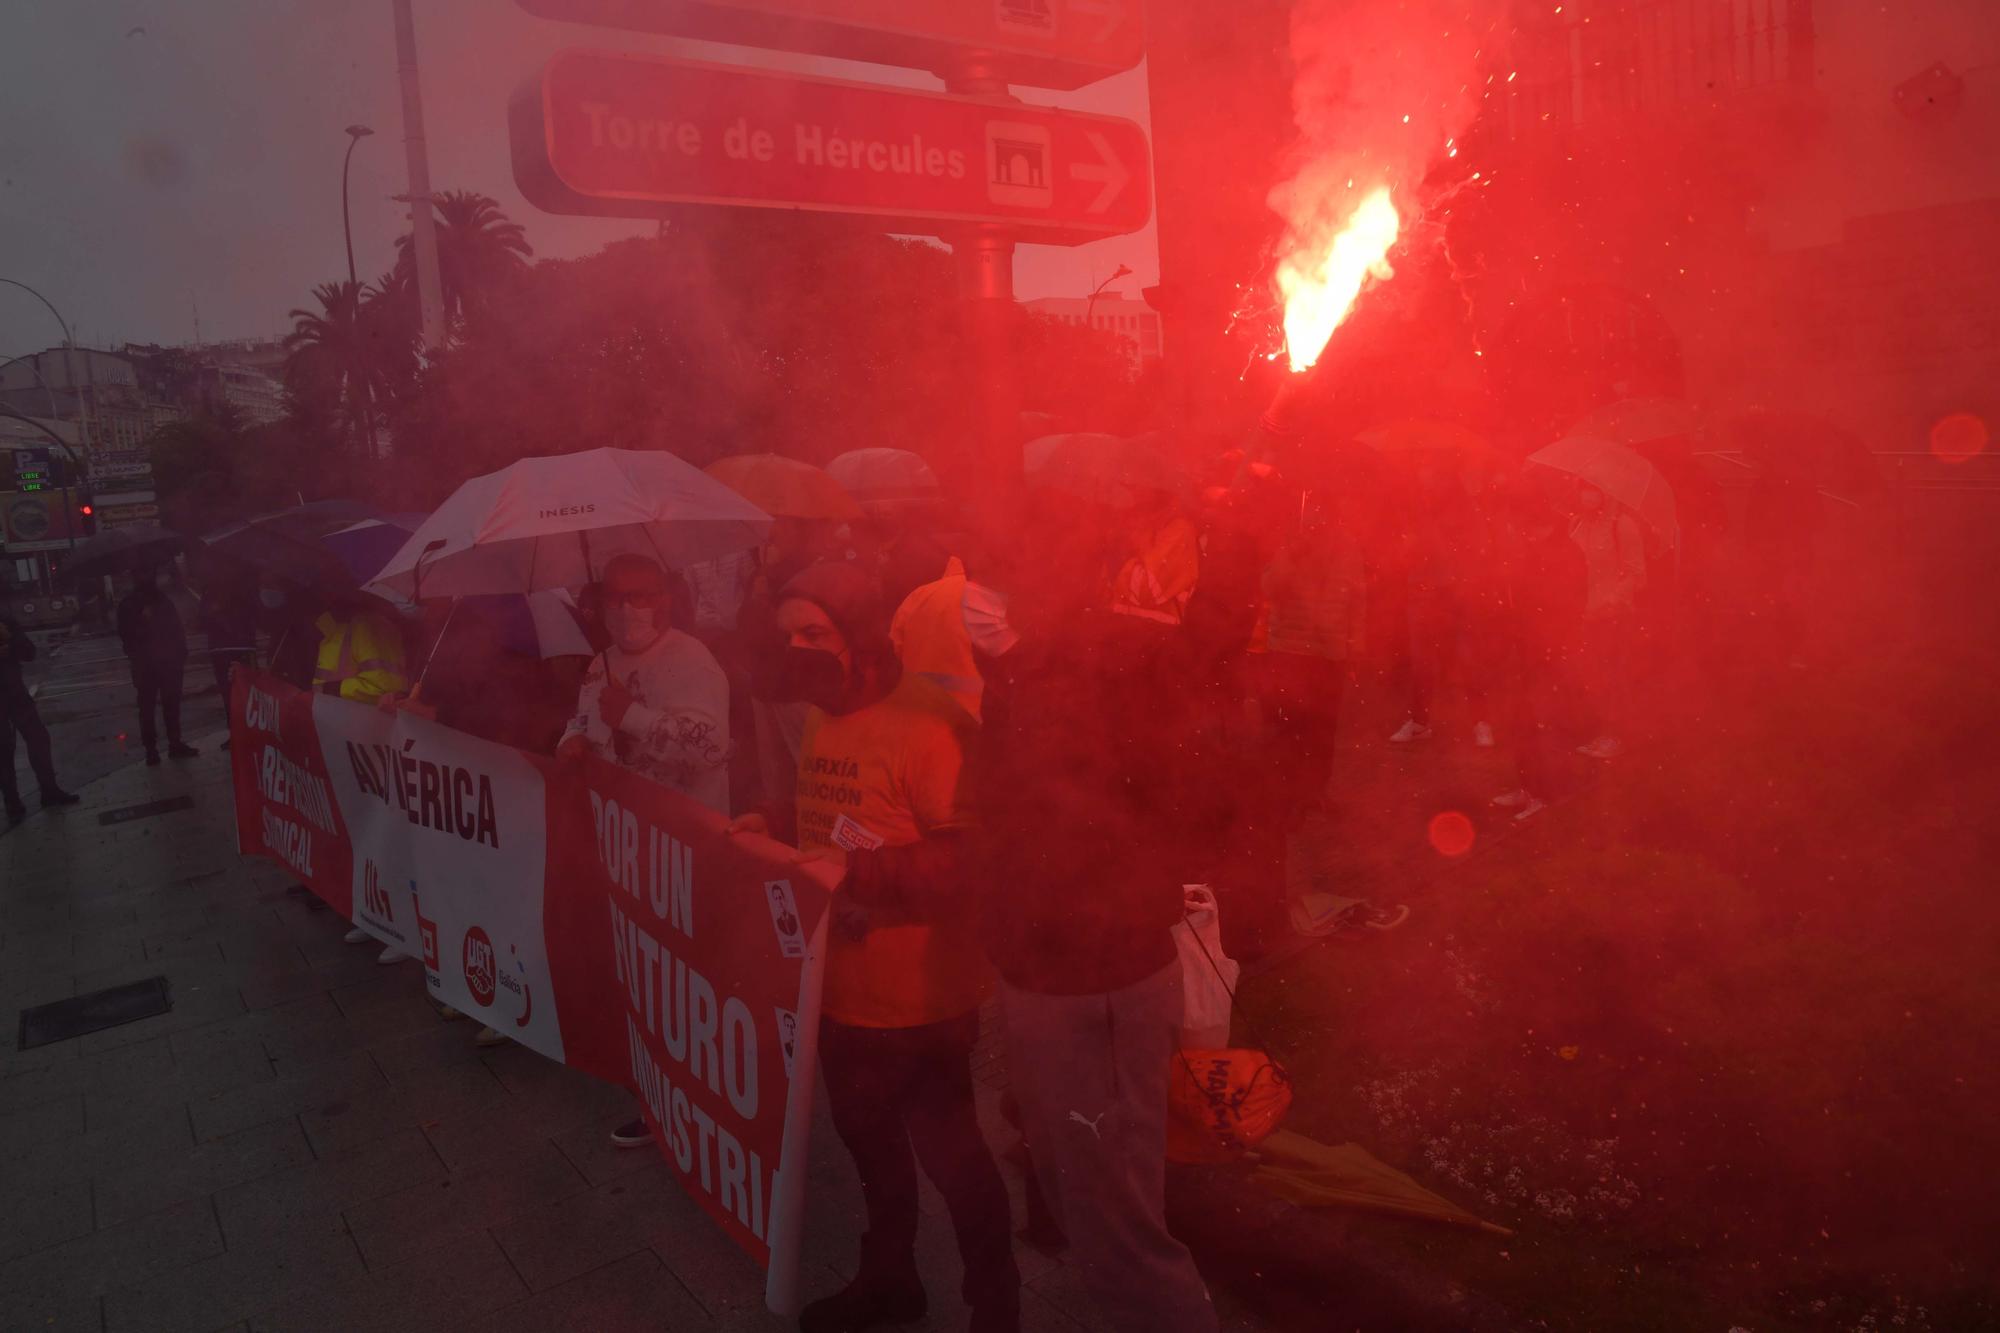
(1325, 270)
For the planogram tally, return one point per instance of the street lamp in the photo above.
(82, 412)
(1120, 272)
(355, 134)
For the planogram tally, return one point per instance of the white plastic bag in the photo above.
(1208, 978)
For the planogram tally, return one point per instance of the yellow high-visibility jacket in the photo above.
(360, 657)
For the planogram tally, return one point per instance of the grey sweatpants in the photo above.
(1090, 1072)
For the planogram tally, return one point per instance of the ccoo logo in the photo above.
(479, 966)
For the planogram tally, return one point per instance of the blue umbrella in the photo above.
(366, 546)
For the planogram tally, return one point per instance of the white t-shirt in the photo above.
(677, 730)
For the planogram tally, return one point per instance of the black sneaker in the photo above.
(152, 759)
(57, 796)
(867, 1302)
(632, 1134)
(179, 751)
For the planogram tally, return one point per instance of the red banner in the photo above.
(591, 915)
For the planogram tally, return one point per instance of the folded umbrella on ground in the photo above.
(554, 522)
(1319, 1175)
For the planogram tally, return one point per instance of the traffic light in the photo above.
(88, 513)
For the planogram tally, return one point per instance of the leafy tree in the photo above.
(480, 250)
(212, 467)
(347, 355)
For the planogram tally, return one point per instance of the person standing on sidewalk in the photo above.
(880, 791)
(156, 644)
(19, 714)
(655, 701)
(1099, 797)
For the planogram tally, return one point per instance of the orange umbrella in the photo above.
(784, 487)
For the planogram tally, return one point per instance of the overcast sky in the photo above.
(161, 157)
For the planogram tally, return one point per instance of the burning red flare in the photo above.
(1326, 268)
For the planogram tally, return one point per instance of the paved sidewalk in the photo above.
(303, 1143)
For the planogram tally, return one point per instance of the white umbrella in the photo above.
(554, 522)
(1621, 474)
(885, 479)
(556, 632)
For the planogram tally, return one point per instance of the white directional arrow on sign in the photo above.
(1108, 169)
(1111, 11)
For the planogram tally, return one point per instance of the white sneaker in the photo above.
(1482, 735)
(1410, 732)
(391, 955)
(356, 936)
(1533, 806)
(1512, 800)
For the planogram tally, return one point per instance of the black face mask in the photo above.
(809, 675)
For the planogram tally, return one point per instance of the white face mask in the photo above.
(985, 613)
(632, 628)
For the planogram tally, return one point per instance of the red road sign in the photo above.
(1048, 43)
(631, 135)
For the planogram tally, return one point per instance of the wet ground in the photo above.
(1713, 1034)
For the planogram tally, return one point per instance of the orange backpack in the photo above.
(1221, 1104)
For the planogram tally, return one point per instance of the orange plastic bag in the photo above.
(1221, 1104)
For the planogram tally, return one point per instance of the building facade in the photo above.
(1110, 312)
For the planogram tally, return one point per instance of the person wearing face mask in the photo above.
(156, 644)
(361, 654)
(880, 790)
(655, 701)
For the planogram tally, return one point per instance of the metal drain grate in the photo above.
(115, 1006)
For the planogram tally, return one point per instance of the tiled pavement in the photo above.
(303, 1143)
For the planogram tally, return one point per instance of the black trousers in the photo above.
(20, 715)
(900, 1096)
(222, 662)
(159, 683)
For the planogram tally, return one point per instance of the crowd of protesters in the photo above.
(1019, 736)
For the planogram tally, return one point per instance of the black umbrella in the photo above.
(134, 546)
(284, 543)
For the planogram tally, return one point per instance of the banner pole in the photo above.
(788, 1192)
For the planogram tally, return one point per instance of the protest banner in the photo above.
(589, 914)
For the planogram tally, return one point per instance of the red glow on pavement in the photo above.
(1451, 833)
(1958, 438)
(1326, 266)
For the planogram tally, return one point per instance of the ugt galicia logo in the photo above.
(479, 966)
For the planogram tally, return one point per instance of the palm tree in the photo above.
(478, 249)
(352, 349)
